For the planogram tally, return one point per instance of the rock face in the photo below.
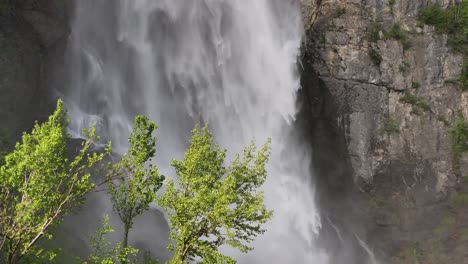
(29, 42)
(390, 101)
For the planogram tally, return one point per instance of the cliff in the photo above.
(31, 34)
(386, 91)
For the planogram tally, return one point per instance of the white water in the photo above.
(231, 63)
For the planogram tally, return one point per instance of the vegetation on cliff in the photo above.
(454, 22)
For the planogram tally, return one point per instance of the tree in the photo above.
(104, 252)
(212, 205)
(39, 185)
(138, 180)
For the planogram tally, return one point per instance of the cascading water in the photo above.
(230, 63)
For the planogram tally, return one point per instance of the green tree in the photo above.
(39, 185)
(104, 252)
(134, 181)
(212, 205)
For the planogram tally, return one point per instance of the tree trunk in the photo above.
(125, 241)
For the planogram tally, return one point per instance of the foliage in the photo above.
(411, 256)
(442, 119)
(39, 185)
(397, 33)
(211, 205)
(464, 77)
(391, 126)
(138, 180)
(404, 68)
(459, 134)
(446, 225)
(374, 32)
(460, 199)
(104, 252)
(391, 3)
(340, 11)
(453, 21)
(415, 85)
(415, 101)
(375, 57)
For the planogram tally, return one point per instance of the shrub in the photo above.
(453, 21)
(459, 134)
(375, 57)
(374, 32)
(415, 101)
(340, 11)
(404, 68)
(391, 126)
(397, 33)
(464, 77)
(443, 120)
(415, 85)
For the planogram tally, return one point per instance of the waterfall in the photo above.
(229, 63)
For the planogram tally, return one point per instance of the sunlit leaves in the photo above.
(211, 205)
(39, 185)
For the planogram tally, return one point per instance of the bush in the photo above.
(340, 11)
(397, 33)
(459, 134)
(404, 68)
(391, 126)
(464, 77)
(374, 32)
(375, 57)
(453, 21)
(415, 101)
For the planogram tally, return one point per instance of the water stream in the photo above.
(230, 63)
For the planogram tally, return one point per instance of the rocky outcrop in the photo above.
(390, 96)
(30, 35)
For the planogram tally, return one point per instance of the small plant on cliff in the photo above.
(397, 33)
(415, 101)
(391, 126)
(404, 68)
(459, 134)
(454, 22)
(39, 186)
(211, 205)
(375, 57)
(374, 32)
(391, 3)
(415, 84)
(340, 11)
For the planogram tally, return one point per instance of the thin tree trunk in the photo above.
(125, 241)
